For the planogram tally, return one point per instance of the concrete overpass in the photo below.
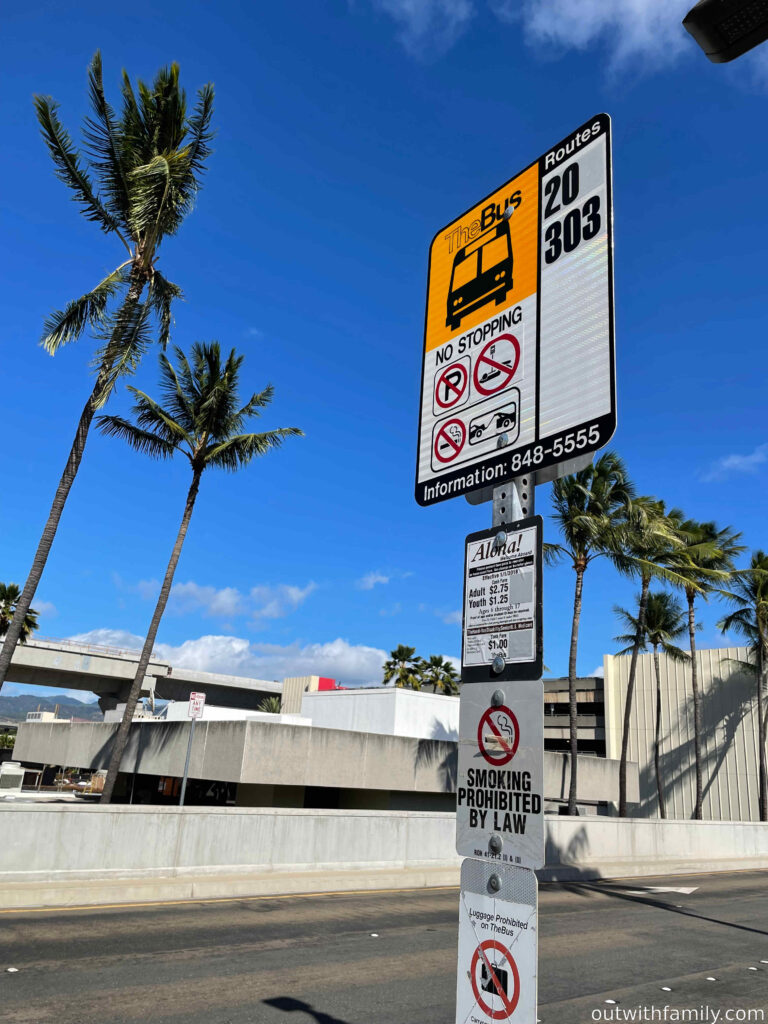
(109, 672)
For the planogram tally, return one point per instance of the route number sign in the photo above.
(502, 602)
(518, 365)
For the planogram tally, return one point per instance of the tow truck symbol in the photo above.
(498, 421)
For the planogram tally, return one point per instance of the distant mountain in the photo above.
(14, 709)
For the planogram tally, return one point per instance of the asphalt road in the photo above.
(383, 958)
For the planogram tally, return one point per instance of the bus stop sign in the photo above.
(518, 366)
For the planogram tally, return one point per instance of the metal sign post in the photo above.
(195, 711)
(518, 388)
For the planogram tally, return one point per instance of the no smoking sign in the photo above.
(500, 777)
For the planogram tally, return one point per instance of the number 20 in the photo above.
(566, 235)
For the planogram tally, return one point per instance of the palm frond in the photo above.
(66, 325)
(68, 167)
(127, 338)
(239, 450)
(200, 132)
(102, 134)
(162, 293)
(143, 441)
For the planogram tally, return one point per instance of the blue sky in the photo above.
(348, 132)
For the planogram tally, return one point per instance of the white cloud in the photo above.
(734, 464)
(263, 602)
(45, 608)
(451, 618)
(394, 610)
(191, 597)
(428, 28)
(597, 671)
(647, 30)
(350, 664)
(369, 581)
(278, 601)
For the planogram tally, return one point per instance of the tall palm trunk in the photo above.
(121, 739)
(657, 744)
(762, 665)
(691, 595)
(572, 705)
(62, 493)
(645, 584)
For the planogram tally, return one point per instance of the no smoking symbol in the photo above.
(449, 440)
(451, 385)
(496, 365)
(498, 735)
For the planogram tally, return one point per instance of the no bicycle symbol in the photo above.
(449, 440)
(495, 980)
(451, 384)
(498, 735)
(497, 364)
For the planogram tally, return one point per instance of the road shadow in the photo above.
(288, 1004)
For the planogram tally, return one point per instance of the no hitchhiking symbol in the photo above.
(496, 365)
(498, 735)
(451, 384)
(495, 980)
(449, 440)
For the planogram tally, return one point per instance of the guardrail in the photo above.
(112, 652)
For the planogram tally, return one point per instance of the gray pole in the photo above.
(514, 500)
(186, 763)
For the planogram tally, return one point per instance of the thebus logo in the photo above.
(482, 267)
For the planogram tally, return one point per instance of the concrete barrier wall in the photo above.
(64, 855)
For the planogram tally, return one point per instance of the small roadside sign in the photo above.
(196, 705)
(519, 325)
(502, 620)
(497, 945)
(500, 777)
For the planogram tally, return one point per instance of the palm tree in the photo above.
(589, 508)
(650, 536)
(142, 170)
(441, 674)
(749, 593)
(404, 667)
(9, 600)
(664, 623)
(271, 705)
(200, 419)
(704, 561)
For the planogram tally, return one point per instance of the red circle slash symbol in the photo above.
(451, 385)
(494, 979)
(498, 735)
(449, 440)
(497, 364)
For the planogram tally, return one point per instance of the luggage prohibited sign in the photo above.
(500, 778)
(497, 945)
(519, 325)
(502, 621)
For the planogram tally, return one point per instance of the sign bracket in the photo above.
(513, 500)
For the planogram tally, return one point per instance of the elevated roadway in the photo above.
(109, 672)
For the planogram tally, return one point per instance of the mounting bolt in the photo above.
(508, 212)
(497, 698)
(495, 844)
(494, 883)
(503, 441)
(498, 664)
(500, 539)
